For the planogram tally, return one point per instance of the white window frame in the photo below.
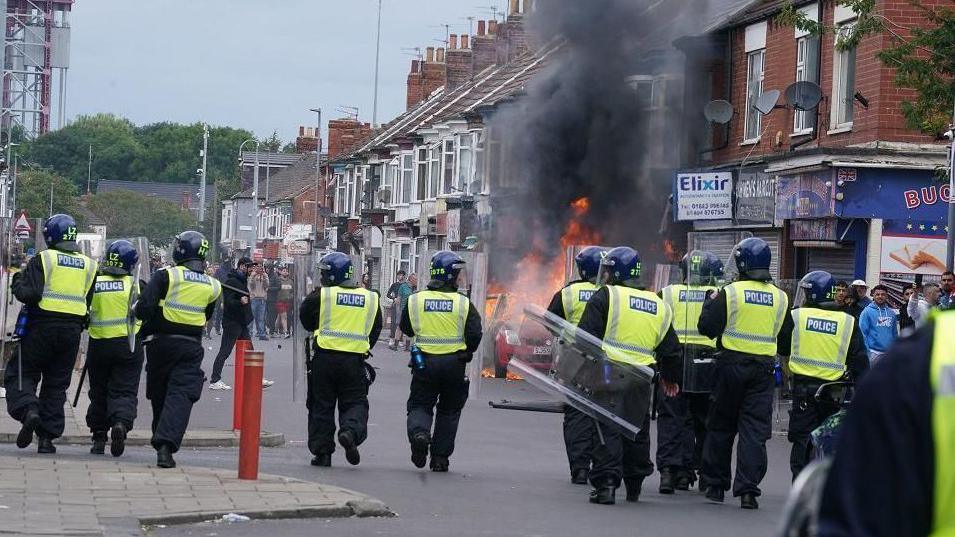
(480, 161)
(434, 170)
(801, 118)
(421, 172)
(464, 170)
(407, 177)
(842, 113)
(754, 88)
(446, 154)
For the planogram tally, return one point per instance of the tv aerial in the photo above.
(719, 111)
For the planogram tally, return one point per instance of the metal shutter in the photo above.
(840, 262)
(721, 243)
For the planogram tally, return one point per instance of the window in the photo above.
(465, 175)
(754, 88)
(356, 190)
(643, 86)
(807, 69)
(341, 196)
(480, 173)
(843, 81)
(422, 165)
(434, 168)
(448, 167)
(407, 177)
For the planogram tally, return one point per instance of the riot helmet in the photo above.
(121, 256)
(620, 266)
(59, 232)
(446, 267)
(700, 267)
(336, 269)
(588, 262)
(189, 246)
(816, 288)
(752, 258)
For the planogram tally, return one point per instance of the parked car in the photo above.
(527, 340)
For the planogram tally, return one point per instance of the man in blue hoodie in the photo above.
(879, 324)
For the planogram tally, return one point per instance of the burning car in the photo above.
(515, 337)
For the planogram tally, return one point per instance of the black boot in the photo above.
(685, 479)
(419, 449)
(748, 501)
(45, 444)
(603, 495)
(322, 459)
(117, 437)
(347, 440)
(99, 443)
(580, 476)
(714, 494)
(164, 457)
(30, 422)
(439, 463)
(667, 480)
(633, 488)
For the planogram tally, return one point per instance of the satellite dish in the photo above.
(720, 112)
(324, 211)
(475, 187)
(767, 102)
(803, 95)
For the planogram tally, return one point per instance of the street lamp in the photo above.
(255, 195)
(318, 163)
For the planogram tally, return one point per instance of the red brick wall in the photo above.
(459, 66)
(883, 119)
(344, 134)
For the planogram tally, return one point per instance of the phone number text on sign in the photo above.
(703, 196)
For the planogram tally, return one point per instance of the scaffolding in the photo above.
(36, 57)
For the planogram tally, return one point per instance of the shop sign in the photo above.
(895, 195)
(913, 247)
(703, 196)
(820, 229)
(807, 195)
(755, 198)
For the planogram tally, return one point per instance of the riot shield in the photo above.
(303, 273)
(698, 361)
(801, 512)
(613, 393)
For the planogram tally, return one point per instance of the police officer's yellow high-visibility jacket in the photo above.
(573, 299)
(188, 296)
(755, 312)
(942, 375)
(438, 319)
(686, 303)
(68, 278)
(346, 319)
(110, 307)
(637, 321)
(820, 343)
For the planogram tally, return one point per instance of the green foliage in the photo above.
(129, 214)
(33, 195)
(924, 57)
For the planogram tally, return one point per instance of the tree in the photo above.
(129, 214)
(33, 194)
(923, 56)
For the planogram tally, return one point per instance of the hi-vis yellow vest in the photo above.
(754, 316)
(942, 375)
(110, 306)
(188, 296)
(67, 280)
(438, 320)
(574, 299)
(820, 343)
(686, 303)
(347, 315)
(636, 324)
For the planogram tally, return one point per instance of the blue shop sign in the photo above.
(806, 195)
(894, 195)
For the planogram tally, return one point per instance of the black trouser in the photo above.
(681, 430)
(395, 315)
(231, 332)
(215, 321)
(741, 402)
(618, 457)
(805, 416)
(271, 312)
(174, 379)
(336, 379)
(48, 353)
(441, 385)
(114, 374)
(578, 438)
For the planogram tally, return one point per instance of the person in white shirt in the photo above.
(919, 308)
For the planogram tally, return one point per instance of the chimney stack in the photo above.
(481, 25)
(464, 41)
(439, 55)
(301, 131)
(515, 7)
(453, 42)
(492, 27)
(429, 55)
(415, 66)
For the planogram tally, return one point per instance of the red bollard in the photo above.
(240, 347)
(251, 415)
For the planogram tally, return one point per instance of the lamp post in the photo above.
(255, 196)
(202, 180)
(318, 164)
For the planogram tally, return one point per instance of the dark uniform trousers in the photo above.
(231, 332)
(578, 438)
(443, 387)
(619, 457)
(174, 380)
(805, 416)
(114, 383)
(336, 378)
(48, 352)
(681, 430)
(741, 403)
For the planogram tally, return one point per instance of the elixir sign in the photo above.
(703, 196)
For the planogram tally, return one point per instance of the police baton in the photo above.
(79, 387)
(236, 289)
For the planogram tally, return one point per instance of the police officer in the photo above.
(824, 345)
(174, 308)
(345, 321)
(894, 471)
(681, 422)
(447, 330)
(113, 368)
(57, 288)
(635, 327)
(746, 316)
(568, 304)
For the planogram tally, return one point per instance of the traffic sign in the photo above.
(22, 224)
(299, 248)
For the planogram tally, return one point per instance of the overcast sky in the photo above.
(242, 64)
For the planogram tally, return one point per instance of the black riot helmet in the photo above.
(190, 249)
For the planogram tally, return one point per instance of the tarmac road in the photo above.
(508, 476)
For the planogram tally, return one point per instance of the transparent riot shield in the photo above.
(613, 393)
(801, 512)
(303, 273)
(730, 270)
(698, 361)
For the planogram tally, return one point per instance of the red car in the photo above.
(529, 341)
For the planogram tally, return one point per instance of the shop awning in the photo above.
(892, 161)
